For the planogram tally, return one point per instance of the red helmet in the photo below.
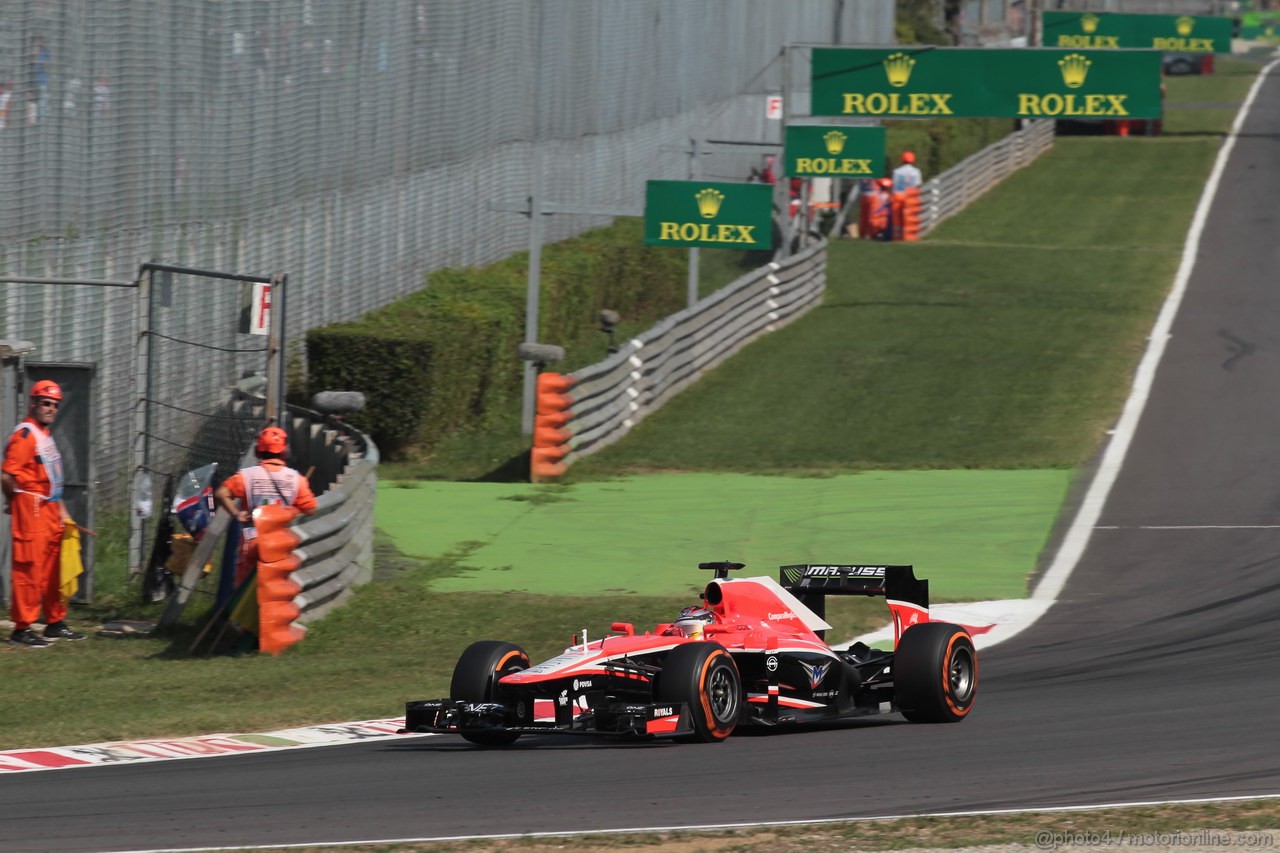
(908, 157)
(272, 440)
(885, 183)
(46, 388)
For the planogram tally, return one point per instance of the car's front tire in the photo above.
(475, 679)
(935, 673)
(704, 677)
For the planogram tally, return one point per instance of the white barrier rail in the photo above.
(958, 187)
(612, 396)
(337, 542)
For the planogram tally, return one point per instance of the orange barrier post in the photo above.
(911, 214)
(277, 610)
(550, 427)
(895, 215)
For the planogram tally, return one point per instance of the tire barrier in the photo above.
(278, 610)
(550, 433)
(906, 214)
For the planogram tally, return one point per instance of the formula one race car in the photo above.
(752, 653)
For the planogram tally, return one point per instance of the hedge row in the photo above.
(444, 359)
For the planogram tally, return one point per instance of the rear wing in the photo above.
(906, 595)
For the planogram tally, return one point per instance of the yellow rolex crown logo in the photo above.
(898, 66)
(1074, 67)
(835, 141)
(1089, 23)
(1185, 25)
(709, 201)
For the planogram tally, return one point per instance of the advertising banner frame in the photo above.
(834, 151)
(924, 81)
(1123, 30)
(709, 214)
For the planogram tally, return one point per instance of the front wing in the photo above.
(611, 718)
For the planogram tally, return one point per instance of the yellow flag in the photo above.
(245, 611)
(72, 566)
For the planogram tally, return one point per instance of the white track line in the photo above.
(713, 827)
(1188, 527)
(1077, 538)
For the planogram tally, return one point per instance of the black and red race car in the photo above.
(752, 654)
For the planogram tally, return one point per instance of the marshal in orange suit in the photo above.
(32, 481)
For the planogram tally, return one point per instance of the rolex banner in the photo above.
(1261, 26)
(835, 152)
(707, 213)
(1181, 33)
(929, 82)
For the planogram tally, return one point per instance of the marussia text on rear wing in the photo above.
(906, 595)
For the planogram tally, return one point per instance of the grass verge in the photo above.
(1251, 824)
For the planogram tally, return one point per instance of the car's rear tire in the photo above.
(703, 676)
(935, 673)
(475, 679)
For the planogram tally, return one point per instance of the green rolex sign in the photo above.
(708, 213)
(928, 82)
(1260, 26)
(835, 152)
(1183, 33)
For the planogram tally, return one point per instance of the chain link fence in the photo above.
(354, 144)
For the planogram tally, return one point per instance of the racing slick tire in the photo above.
(475, 679)
(704, 677)
(935, 673)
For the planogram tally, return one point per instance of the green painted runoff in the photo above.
(973, 534)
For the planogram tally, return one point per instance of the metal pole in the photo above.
(141, 418)
(695, 171)
(782, 186)
(275, 351)
(532, 295)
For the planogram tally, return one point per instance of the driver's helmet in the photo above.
(692, 621)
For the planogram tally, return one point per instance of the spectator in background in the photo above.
(71, 97)
(268, 482)
(38, 68)
(906, 175)
(101, 96)
(878, 219)
(32, 483)
(6, 95)
(765, 174)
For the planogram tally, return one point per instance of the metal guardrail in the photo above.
(962, 184)
(612, 396)
(337, 542)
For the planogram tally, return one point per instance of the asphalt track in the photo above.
(1156, 677)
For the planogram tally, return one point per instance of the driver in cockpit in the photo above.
(691, 622)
